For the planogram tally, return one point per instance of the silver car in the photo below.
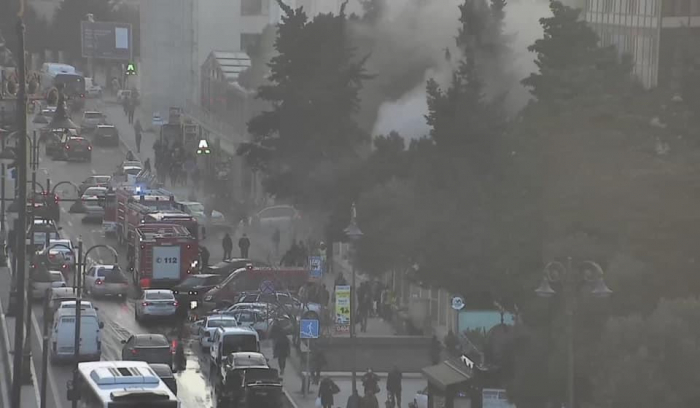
(90, 120)
(207, 326)
(43, 282)
(155, 303)
(106, 280)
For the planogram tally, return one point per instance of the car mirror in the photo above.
(97, 308)
(101, 325)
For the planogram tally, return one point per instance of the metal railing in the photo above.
(212, 123)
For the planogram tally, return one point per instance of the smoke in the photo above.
(407, 47)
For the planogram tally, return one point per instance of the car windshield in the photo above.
(107, 130)
(95, 191)
(239, 343)
(56, 277)
(78, 142)
(159, 296)
(245, 316)
(193, 281)
(222, 323)
(196, 207)
(102, 272)
(93, 115)
(133, 171)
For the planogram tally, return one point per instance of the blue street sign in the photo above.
(13, 173)
(316, 266)
(308, 329)
(267, 287)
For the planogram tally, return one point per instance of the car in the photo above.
(151, 348)
(207, 326)
(92, 203)
(420, 400)
(75, 148)
(39, 233)
(60, 252)
(106, 280)
(155, 303)
(94, 181)
(53, 140)
(59, 295)
(44, 115)
(41, 282)
(227, 267)
(284, 301)
(92, 89)
(192, 288)
(258, 320)
(195, 209)
(165, 373)
(70, 304)
(284, 217)
(106, 135)
(130, 167)
(90, 121)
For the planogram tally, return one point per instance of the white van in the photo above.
(227, 340)
(63, 335)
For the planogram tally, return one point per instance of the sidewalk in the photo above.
(30, 393)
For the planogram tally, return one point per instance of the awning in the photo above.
(445, 374)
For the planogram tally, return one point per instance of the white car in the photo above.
(155, 303)
(280, 216)
(196, 210)
(65, 248)
(91, 200)
(92, 89)
(245, 306)
(258, 320)
(106, 280)
(208, 325)
(70, 304)
(420, 400)
(43, 282)
(90, 120)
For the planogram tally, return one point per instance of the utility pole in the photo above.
(78, 307)
(27, 358)
(21, 233)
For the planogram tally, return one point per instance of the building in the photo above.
(662, 36)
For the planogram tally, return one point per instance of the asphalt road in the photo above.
(118, 316)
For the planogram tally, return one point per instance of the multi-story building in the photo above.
(662, 36)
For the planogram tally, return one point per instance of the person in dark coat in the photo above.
(393, 385)
(326, 391)
(204, 255)
(227, 243)
(244, 245)
(369, 401)
(354, 400)
(435, 349)
(147, 165)
(281, 351)
(137, 135)
(318, 361)
(370, 382)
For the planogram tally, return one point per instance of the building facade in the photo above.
(662, 36)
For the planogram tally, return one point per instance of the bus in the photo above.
(73, 88)
(118, 384)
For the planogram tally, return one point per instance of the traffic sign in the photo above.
(457, 303)
(203, 147)
(316, 264)
(131, 68)
(308, 329)
(267, 287)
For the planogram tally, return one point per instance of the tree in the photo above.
(651, 362)
(260, 55)
(308, 140)
(66, 23)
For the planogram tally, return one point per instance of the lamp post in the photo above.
(21, 234)
(572, 277)
(27, 357)
(354, 233)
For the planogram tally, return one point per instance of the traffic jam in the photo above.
(145, 293)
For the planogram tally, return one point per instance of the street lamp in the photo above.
(354, 233)
(572, 278)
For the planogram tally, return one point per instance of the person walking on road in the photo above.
(204, 256)
(132, 110)
(147, 165)
(393, 387)
(326, 391)
(244, 245)
(227, 243)
(354, 400)
(125, 105)
(137, 135)
(281, 351)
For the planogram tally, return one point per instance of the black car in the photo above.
(227, 267)
(106, 135)
(151, 348)
(75, 148)
(166, 375)
(192, 288)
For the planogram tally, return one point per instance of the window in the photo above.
(251, 7)
(632, 7)
(607, 6)
(249, 42)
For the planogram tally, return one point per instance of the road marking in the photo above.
(52, 382)
(69, 222)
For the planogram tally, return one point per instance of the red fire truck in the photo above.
(133, 204)
(163, 255)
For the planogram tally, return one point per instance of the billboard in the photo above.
(106, 40)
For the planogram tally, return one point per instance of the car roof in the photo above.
(155, 291)
(162, 370)
(245, 359)
(63, 291)
(204, 275)
(220, 317)
(92, 111)
(151, 340)
(71, 312)
(106, 266)
(97, 188)
(105, 125)
(237, 330)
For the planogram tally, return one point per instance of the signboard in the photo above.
(106, 40)
(316, 266)
(308, 329)
(342, 308)
(267, 287)
(457, 303)
(166, 262)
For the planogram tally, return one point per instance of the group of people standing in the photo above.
(170, 162)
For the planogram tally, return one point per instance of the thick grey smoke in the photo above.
(408, 46)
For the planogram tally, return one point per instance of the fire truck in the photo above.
(163, 255)
(133, 204)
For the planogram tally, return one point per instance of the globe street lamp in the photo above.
(354, 233)
(572, 278)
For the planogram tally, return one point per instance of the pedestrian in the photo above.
(353, 400)
(276, 237)
(132, 110)
(393, 386)
(370, 382)
(362, 313)
(435, 350)
(137, 135)
(147, 165)
(369, 401)
(244, 245)
(204, 255)
(318, 361)
(281, 351)
(324, 296)
(326, 391)
(451, 342)
(227, 243)
(125, 105)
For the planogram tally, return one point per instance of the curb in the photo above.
(5, 384)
